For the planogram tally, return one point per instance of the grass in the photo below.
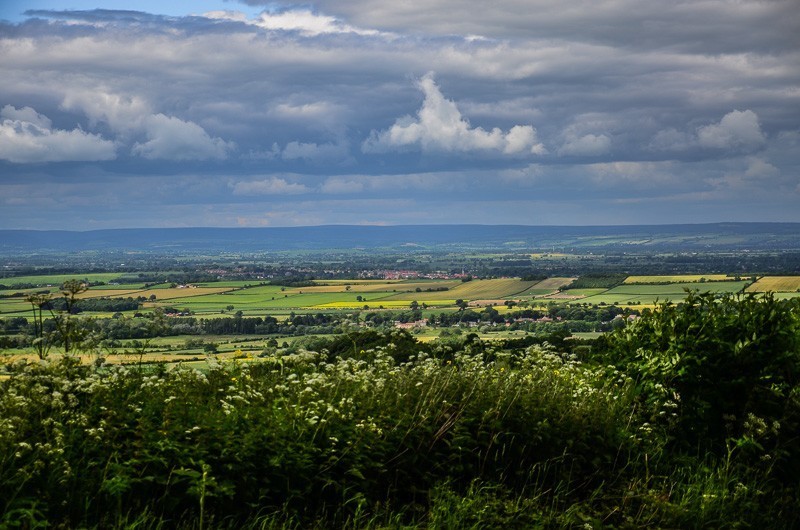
(585, 292)
(57, 279)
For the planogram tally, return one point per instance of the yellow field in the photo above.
(776, 284)
(133, 358)
(490, 289)
(339, 288)
(679, 278)
(353, 282)
(110, 293)
(374, 287)
(476, 289)
(386, 304)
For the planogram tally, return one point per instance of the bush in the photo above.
(729, 365)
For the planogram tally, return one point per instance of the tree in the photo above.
(65, 319)
(38, 302)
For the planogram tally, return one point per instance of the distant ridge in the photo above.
(639, 238)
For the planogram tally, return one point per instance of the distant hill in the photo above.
(644, 238)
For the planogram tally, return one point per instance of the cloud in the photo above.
(397, 184)
(303, 21)
(314, 152)
(27, 137)
(758, 168)
(752, 175)
(708, 26)
(171, 138)
(343, 185)
(640, 81)
(629, 173)
(439, 126)
(131, 116)
(26, 114)
(671, 140)
(269, 186)
(586, 145)
(736, 130)
(122, 113)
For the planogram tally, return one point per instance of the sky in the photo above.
(260, 113)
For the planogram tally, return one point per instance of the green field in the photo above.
(648, 294)
(493, 289)
(254, 298)
(57, 279)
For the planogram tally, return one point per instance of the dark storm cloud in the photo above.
(521, 112)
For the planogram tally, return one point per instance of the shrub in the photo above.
(728, 363)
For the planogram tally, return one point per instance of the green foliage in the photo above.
(298, 433)
(374, 430)
(597, 280)
(718, 370)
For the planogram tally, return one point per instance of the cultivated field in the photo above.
(549, 285)
(777, 284)
(212, 299)
(57, 279)
(681, 278)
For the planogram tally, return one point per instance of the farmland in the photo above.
(345, 388)
(778, 284)
(682, 278)
(451, 429)
(493, 306)
(217, 298)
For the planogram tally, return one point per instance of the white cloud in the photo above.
(736, 130)
(26, 114)
(27, 137)
(131, 116)
(121, 113)
(269, 186)
(174, 139)
(439, 126)
(305, 21)
(586, 145)
(307, 111)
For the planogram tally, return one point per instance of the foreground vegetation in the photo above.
(687, 417)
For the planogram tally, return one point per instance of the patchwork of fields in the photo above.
(217, 298)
